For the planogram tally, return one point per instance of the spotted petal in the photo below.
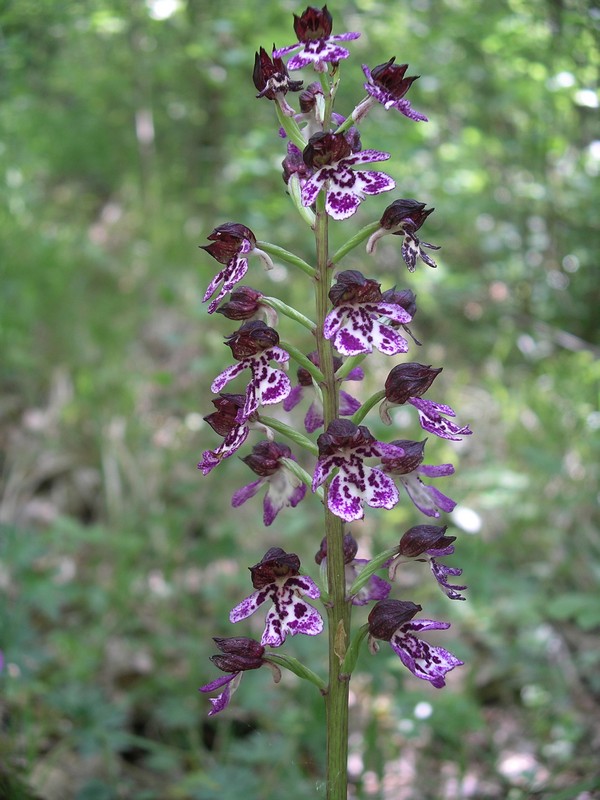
(228, 374)
(249, 605)
(426, 498)
(290, 615)
(232, 273)
(323, 469)
(431, 419)
(232, 442)
(246, 492)
(230, 682)
(356, 483)
(425, 661)
(284, 489)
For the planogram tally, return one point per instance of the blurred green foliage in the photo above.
(128, 130)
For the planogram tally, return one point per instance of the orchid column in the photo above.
(324, 170)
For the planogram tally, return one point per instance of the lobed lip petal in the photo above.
(314, 417)
(246, 492)
(425, 661)
(228, 374)
(381, 491)
(432, 420)
(232, 442)
(219, 703)
(249, 605)
(230, 275)
(341, 202)
(344, 500)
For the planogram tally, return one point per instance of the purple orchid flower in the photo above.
(318, 45)
(345, 446)
(355, 323)
(408, 469)
(387, 84)
(314, 416)
(231, 243)
(272, 80)
(239, 655)
(255, 345)
(392, 621)
(224, 422)
(276, 578)
(331, 157)
(375, 588)
(283, 487)
(428, 543)
(404, 218)
(405, 384)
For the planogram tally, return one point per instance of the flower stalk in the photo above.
(327, 174)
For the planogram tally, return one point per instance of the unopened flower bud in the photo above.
(243, 303)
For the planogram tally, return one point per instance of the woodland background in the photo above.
(128, 130)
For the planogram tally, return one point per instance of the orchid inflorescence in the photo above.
(351, 470)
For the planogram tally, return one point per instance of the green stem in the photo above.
(291, 433)
(303, 360)
(357, 239)
(370, 569)
(362, 412)
(290, 126)
(349, 365)
(338, 608)
(285, 255)
(290, 312)
(301, 474)
(298, 668)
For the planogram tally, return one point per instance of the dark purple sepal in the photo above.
(388, 615)
(326, 148)
(243, 303)
(251, 338)
(228, 240)
(314, 23)
(421, 538)
(404, 214)
(265, 457)
(351, 286)
(274, 565)
(412, 458)
(409, 380)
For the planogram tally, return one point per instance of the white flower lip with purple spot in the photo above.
(255, 345)
(344, 446)
(360, 319)
(318, 46)
(331, 156)
(392, 621)
(276, 577)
